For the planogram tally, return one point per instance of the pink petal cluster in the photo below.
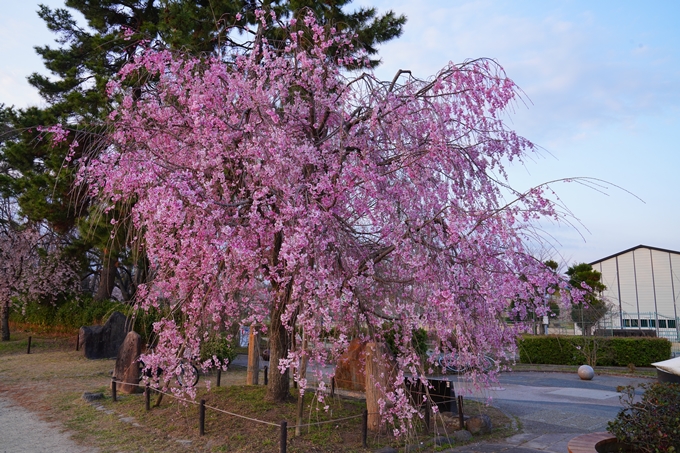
(274, 183)
(31, 267)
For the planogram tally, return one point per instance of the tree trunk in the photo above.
(5, 320)
(278, 388)
(107, 278)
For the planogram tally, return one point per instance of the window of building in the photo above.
(662, 324)
(643, 323)
(634, 323)
(626, 323)
(671, 323)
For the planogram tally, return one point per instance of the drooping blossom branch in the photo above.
(274, 188)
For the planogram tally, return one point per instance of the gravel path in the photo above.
(22, 431)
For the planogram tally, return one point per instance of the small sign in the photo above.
(243, 334)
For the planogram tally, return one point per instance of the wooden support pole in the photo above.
(379, 370)
(219, 376)
(78, 340)
(284, 436)
(364, 429)
(461, 418)
(28, 351)
(201, 418)
(113, 389)
(332, 386)
(253, 372)
(266, 375)
(303, 375)
(147, 397)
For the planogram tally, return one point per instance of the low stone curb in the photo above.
(587, 442)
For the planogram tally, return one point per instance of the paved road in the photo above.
(552, 408)
(22, 431)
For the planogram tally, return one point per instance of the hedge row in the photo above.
(610, 351)
(70, 314)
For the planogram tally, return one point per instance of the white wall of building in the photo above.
(643, 285)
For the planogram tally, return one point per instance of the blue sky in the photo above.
(602, 99)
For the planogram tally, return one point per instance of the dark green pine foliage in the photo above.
(587, 313)
(40, 175)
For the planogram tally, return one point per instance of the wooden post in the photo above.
(303, 375)
(78, 340)
(28, 351)
(284, 436)
(451, 395)
(201, 418)
(266, 375)
(253, 373)
(364, 429)
(113, 389)
(332, 386)
(461, 418)
(219, 376)
(428, 409)
(147, 397)
(379, 371)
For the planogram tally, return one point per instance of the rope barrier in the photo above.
(243, 416)
(264, 422)
(327, 421)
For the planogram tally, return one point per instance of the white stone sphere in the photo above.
(586, 372)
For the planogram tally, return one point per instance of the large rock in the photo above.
(103, 342)
(350, 371)
(462, 435)
(479, 424)
(126, 371)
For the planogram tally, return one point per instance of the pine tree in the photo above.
(41, 175)
(588, 312)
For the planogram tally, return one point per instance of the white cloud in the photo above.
(571, 65)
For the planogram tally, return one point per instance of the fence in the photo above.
(283, 425)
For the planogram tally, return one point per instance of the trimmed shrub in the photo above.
(70, 313)
(73, 313)
(609, 351)
(652, 424)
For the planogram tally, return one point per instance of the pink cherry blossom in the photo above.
(31, 268)
(273, 187)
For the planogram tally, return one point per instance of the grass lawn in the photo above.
(52, 379)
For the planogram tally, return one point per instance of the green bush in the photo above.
(653, 424)
(71, 313)
(220, 347)
(418, 339)
(609, 351)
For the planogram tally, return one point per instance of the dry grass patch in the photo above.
(52, 379)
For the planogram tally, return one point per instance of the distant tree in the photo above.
(532, 313)
(553, 295)
(587, 313)
(31, 268)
